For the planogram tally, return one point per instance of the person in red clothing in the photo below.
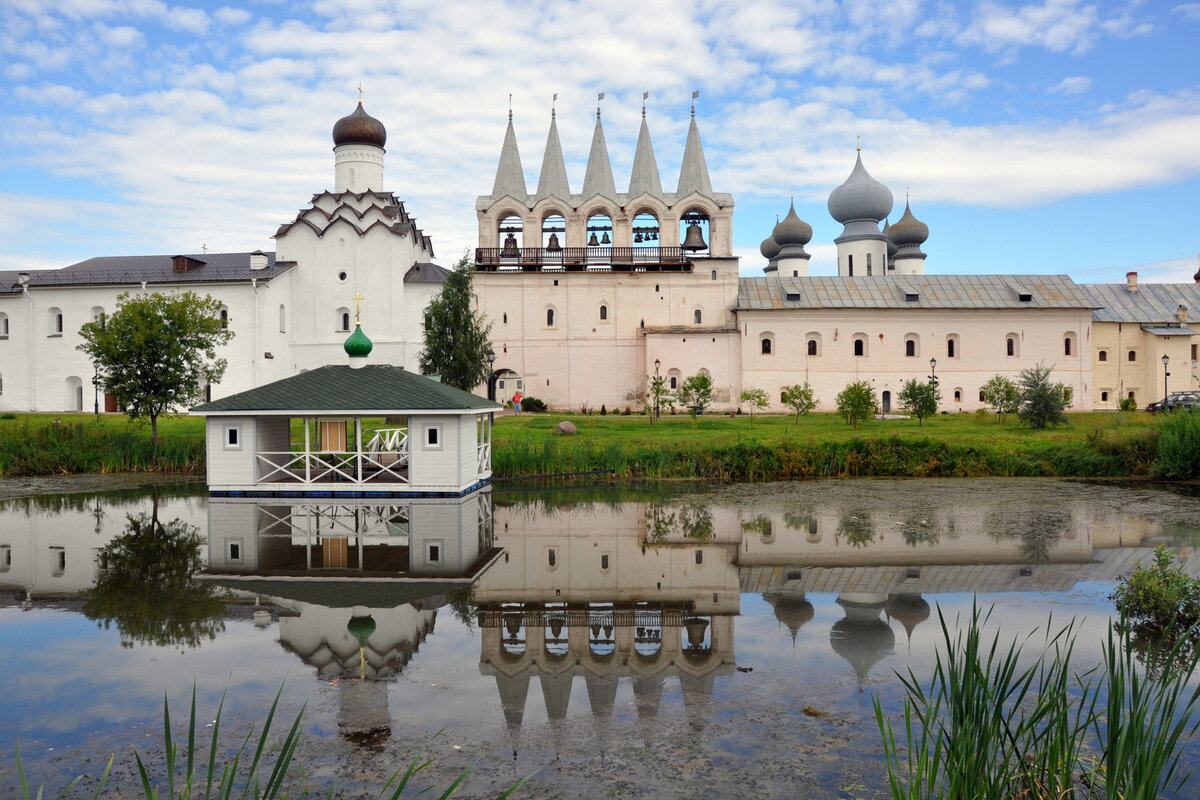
(517, 402)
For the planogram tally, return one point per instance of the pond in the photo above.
(646, 641)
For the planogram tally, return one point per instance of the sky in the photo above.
(1047, 136)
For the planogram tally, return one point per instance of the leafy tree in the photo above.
(147, 586)
(857, 527)
(756, 399)
(856, 402)
(1042, 403)
(696, 393)
(457, 339)
(799, 398)
(157, 351)
(1002, 395)
(920, 399)
(658, 396)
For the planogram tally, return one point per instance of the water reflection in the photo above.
(147, 587)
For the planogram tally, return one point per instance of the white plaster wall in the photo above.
(1118, 376)
(357, 168)
(435, 468)
(859, 249)
(981, 351)
(230, 468)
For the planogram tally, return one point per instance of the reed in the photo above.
(262, 768)
(992, 724)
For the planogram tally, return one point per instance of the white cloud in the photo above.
(1056, 25)
(232, 16)
(1075, 84)
(1189, 11)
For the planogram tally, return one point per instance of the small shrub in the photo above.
(1128, 404)
(1160, 598)
(532, 404)
(603, 410)
(626, 412)
(1179, 446)
(8, 416)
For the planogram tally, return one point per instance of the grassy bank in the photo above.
(821, 445)
(711, 447)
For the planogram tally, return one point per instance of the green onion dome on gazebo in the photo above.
(361, 628)
(358, 346)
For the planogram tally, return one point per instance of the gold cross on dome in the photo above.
(357, 297)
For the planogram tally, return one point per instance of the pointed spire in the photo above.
(553, 179)
(510, 178)
(645, 169)
(598, 179)
(693, 175)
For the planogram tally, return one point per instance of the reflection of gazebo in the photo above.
(862, 637)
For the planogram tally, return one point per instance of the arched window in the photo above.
(813, 343)
(343, 320)
(1, 383)
(958, 395)
(3, 325)
(1102, 355)
(98, 314)
(549, 317)
(1068, 345)
(812, 347)
(766, 346)
(504, 317)
(1104, 397)
(860, 344)
(224, 317)
(714, 274)
(674, 382)
(1133, 355)
(912, 345)
(952, 346)
(282, 318)
(603, 312)
(54, 322)
(697, 316)
(1012, 345)
(510, 237)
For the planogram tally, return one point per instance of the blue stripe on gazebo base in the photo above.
(285, 493)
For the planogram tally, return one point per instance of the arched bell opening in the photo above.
(599, 238)
(512, 645)
(698, 639)
(511, 234)
(695, 233)
(601, 642)
(646, 233)
(647, 640)
(555, 637)
(554, 233)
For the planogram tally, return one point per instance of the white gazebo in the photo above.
(362, 430)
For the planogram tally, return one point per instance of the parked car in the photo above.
(1177, 400)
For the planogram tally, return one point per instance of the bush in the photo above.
(1161, 598)
(1179, 446)
(532, 404)
(1042, 403)
(1128, 404)
(856, 402)
(603, 410)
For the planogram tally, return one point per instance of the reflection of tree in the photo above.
(1039, 529)
(146, 585)
(798, 522)
(693, 521)
(461, 602)
(919, 530)
(760, 525)
(857, 527)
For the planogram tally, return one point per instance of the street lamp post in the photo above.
(657, 386)
(96, 388)
(933, 371)
(1166, 359)
(491, 357)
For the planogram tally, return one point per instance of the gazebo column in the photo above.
(308, 450)
(358, 451)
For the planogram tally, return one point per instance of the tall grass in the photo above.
(39, 446)
(262, 768)
(1179, 445)
(994, 725)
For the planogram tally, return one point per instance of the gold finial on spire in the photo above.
(360, 92)
(357, 308)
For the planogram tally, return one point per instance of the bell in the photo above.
(652, 235)
(593, 242)
(604, 239)
(694, 240)
(510, 247)
(596, 630)
(637, 237)
(695, 631)
(512, 624)
(553, 245)
(556, 626)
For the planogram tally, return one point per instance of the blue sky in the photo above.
(1048, 136)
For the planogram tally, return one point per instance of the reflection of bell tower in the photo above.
(862, 637)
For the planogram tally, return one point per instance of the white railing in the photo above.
(393, 439)
(484, 458)
(384, 466)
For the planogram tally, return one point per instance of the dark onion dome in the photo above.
(1196, 277)
(792, 230)
(359, 128)
(358, 345)
(860, 197)
(769, 248)
(910, 609)
(908, 229)
(892, 247)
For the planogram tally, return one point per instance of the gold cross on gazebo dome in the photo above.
(357, 309)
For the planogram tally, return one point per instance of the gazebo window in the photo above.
(233, 437)
(433, 437)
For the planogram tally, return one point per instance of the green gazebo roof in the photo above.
(378, 388)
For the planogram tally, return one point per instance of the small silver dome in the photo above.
(860, 197)
(792, 230)
(908, 229)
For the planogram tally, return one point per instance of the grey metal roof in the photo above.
(10, 279)
(931, 291)
(1153, 302)
(1168, 330)
(156, 270)
(426, 272)
(375, 387)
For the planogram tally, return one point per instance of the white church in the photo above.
(591, 292)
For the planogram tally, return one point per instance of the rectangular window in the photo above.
(235, 550)
(1104, 397)
(233, 437)
(433, 552)
(868, 263)
(500, 383)
(1193, 352)
(433, 437)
